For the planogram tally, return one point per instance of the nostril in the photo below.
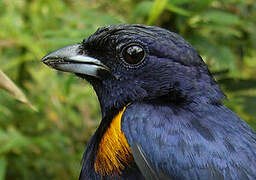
(80, 52)
(44, 59)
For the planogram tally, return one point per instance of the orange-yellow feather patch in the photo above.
(114, 152)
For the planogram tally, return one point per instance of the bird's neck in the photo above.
(114, 95)
(108, 153)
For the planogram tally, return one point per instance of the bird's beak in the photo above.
(72, 59)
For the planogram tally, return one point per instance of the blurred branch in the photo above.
(8, 85)
(7, 43)
(220, 73)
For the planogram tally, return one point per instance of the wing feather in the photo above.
(171, 142)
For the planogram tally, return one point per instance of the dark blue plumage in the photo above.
(174, 121)
(193, 141)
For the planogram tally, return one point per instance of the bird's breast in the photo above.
(114, 153)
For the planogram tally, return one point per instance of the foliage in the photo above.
(48, 144)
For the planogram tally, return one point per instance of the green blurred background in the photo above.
(48, 144)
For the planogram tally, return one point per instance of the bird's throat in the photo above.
(114, 153)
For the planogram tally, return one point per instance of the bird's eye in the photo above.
(133, 54)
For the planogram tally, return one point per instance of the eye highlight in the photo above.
(133, 54)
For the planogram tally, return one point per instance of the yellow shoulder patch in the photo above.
(114, 152)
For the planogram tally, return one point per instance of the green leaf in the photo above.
(201, 5)
(221, 17)
(223, 30)
(177, 10)
(11, 140)
(142, 10)
(178, 2)
(158, 8)
(234, 85)
(244, 106)
(3, 165)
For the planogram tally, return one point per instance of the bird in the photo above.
(162, 110)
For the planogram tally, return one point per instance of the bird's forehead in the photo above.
(158, 42)
(116, 34)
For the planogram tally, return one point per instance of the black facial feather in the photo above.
(172, 68)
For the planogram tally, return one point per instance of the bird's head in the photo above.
(130, 62)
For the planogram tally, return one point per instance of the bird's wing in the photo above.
(145, 166)
(168, 143)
